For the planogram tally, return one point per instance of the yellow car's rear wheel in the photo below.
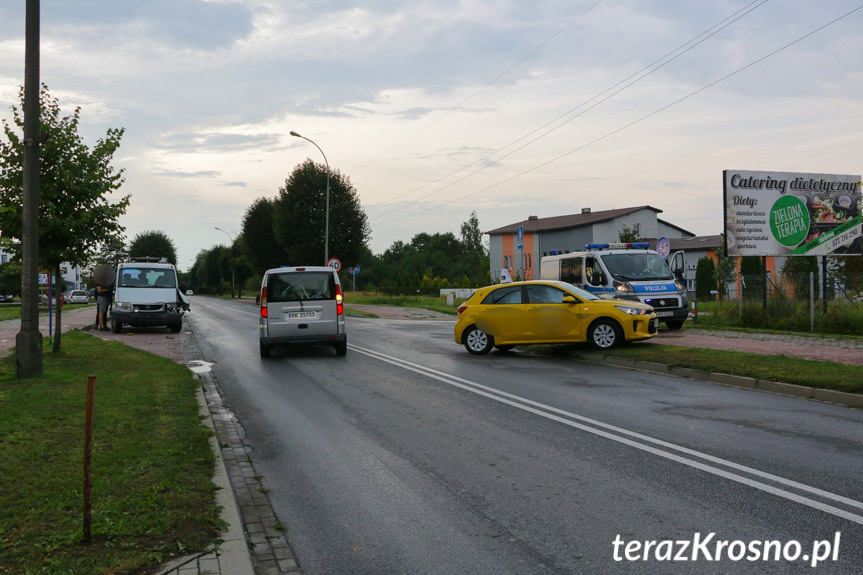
(477, 341)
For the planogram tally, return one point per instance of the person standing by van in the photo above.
(103, 298)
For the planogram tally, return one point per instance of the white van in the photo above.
(625, 271)
(302, 305)
(146, 293)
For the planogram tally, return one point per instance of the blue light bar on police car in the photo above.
(617, 246)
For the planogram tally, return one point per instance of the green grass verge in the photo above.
(13, 311)
(818, 374)
(152, 495)
(359, 313)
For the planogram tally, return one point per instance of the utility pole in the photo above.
(28, 342)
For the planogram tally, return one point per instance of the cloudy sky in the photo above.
(436, 108)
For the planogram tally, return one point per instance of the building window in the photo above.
(507, 262)
(528, 261)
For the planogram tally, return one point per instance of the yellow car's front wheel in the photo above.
(477, 341)
(604, 334)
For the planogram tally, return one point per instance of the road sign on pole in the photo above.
(335, 264)
(663, 247)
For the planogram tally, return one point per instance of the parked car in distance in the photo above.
(301, 305)
(6, 298)
(189, 292)
(536, 312)
(77, 296)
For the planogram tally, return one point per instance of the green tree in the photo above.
(796, 271)
(10, 279)
(299, 216)
(725, 270)
(705, 278)
(242, 271)
(627, 234)
(471, 235)
(848, 270)
(751, 272)
(112, 251)
(76, 210)
(196, 273)
(153, 243)
(259, 247)
(212, 274)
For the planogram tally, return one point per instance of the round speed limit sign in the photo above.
(335, 264)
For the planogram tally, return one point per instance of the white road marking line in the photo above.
(629, 438)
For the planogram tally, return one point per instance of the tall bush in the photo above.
(705, 278)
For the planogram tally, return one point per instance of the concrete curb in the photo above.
(261, 535)
(231, 555)
(234, 551)
(825, 395)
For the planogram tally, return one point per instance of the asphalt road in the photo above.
(411, 456)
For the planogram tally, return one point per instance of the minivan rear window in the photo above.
(301, 286)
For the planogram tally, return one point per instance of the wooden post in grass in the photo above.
(88, 453)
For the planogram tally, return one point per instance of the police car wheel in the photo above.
(604, 334)
(477, 341)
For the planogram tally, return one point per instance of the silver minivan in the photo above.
(302, 305)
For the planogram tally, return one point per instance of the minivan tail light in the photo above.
(340, 307)
(264, 302)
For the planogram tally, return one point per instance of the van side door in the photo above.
(596, 278)
(572, 271)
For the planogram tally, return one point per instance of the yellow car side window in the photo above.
(545, 294)
(504, 296)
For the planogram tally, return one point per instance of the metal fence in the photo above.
(802, 287)
(806, 302)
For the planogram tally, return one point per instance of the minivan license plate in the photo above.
(301, 315)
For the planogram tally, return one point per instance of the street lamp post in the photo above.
(327, 216)
(232, 264)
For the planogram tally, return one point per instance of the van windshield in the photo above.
(147, 278)
(301, 286)
(637, 267)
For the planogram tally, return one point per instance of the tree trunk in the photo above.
(58, 331)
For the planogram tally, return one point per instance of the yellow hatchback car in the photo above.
(533, 312)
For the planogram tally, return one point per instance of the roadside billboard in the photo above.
(789, 213)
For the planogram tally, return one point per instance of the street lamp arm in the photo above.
(226, 232)
(296, 135)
